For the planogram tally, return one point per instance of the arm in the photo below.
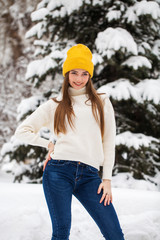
(109, 139)
(27, 131)
(109, 152)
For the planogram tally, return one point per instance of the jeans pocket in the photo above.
(92, 169)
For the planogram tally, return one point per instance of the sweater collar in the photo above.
(75, 92)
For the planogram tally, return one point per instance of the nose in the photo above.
(78, 78)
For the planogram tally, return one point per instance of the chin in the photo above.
(77, 87)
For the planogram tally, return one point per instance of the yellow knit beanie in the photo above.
(78, 56)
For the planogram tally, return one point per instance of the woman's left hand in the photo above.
(107, 193)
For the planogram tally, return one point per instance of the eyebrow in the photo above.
(77, 71)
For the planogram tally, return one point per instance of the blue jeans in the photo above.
(61, 179)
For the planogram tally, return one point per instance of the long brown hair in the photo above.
(64, 107)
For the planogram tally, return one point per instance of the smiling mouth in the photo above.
(78, 84)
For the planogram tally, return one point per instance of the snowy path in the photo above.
(24, 214)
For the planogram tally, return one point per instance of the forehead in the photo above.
(79, 70)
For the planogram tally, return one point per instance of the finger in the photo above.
(111, 198)
(45, 163)
(48, 158)
(102, 198)
(44, 167)
(107, 200)
(99, 189)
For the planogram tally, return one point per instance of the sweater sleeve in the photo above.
(109, 139)
(27, 131)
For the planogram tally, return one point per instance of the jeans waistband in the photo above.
(71, 161)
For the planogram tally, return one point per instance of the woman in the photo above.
(84, 124)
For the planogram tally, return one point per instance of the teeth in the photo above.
(78, 84)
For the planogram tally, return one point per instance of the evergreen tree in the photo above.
(124, 39)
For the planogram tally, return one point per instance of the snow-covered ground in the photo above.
(24, 214)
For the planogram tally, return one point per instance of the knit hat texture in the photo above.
(78, 56)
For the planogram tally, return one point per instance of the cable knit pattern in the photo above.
(84, 142)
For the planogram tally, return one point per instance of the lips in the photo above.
(78, 84)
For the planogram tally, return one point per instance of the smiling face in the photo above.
(78, 78)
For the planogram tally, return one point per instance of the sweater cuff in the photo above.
(107, 172)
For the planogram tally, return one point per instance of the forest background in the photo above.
(124, 39)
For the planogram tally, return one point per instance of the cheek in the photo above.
(86, 80)
(71, 78)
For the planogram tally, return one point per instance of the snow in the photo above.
(126, 180)
(13, 166)
(41, 47)
(39, 14)
(97, 59)
(114, 39)
(68, 5)
(142, 8)
(10, 146)
(142, 47)
(148, 89)
(5, 55)
(130, 15)
(40, 67)
(60, 8)
(137, 61)
(147, 7)
(42, 4)
(120, 89)
(146, 45)
(65, 6)
(97, 2)
(24, 214)
(14, 10)
(156, 48)
(134, 140)
(27, 105)
(59, 13)
(113, 15)
(41, 43)
(56, 54)
(37, 29)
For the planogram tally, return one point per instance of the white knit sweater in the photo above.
(84, 143)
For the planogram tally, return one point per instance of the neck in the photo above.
(75, 92)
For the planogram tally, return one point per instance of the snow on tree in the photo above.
(15, 53)
(124, 39)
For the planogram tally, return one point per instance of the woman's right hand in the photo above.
(51, 149)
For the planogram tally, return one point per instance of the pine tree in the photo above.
(124, 39)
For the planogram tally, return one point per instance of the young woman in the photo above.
(84, 124)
